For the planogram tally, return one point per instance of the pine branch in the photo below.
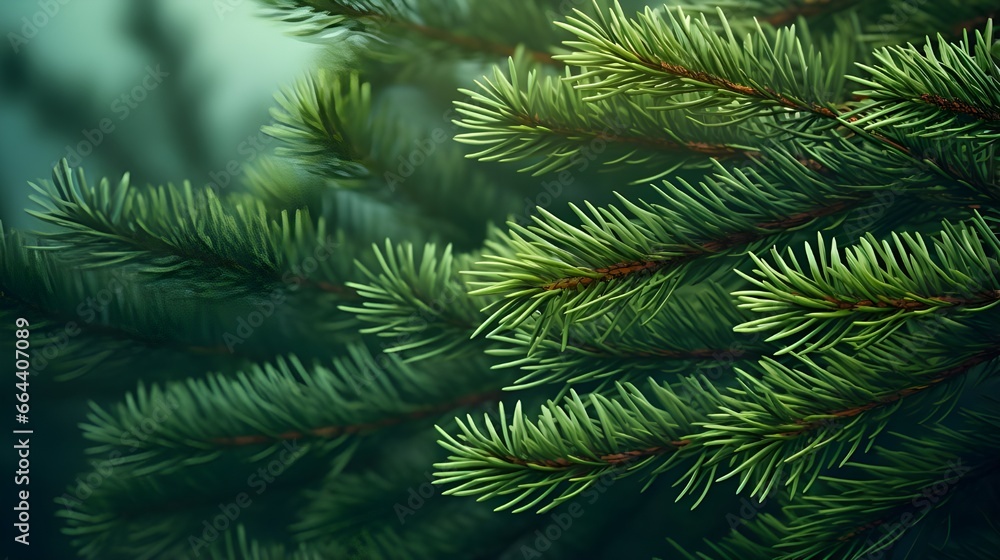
(271, 403)
(172, 232)
(383, 167)
(671, 55)
(951, 91)
(148, 517)
(925, 486)
(88, 324)
(761, 75)
(569, 448)
(631, 343)
(349, 505)
(419, 306)
(911, 485)
(786, 425)
(545, 120)
(315, 121)
(568, 268)
(866, 294)
(394, 18)
(780, 426)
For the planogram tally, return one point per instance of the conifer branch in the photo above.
(418, 305)
(569, 447)
(670, 54)
(215, 414)
(99, 318)
(555, 261)
(669, 57)
(170, 231)
(546, 121)
(865, 295)
(626, 312)
(393, 18)
(766, 430)
(631, 343)
(917, 481)
(622, 270)
(950, 91)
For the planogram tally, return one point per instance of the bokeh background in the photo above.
(62, 74)
(223, 61)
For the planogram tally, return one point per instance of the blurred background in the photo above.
(166, 90)
(181, 88)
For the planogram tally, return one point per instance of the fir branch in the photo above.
(569, 448)
(145, 516)
(382, 168)
(418, 305)
(866, 294)
(632, 343)
(785, 425)
(948, 91)
(390, 19)
(544, 120)
(274, 403)
(171, 232)
(729, 241)
(556, 264)
(761, 75)
(100, 318)
(314, 120)
(902, 492)
(782, 426)
(671, 55)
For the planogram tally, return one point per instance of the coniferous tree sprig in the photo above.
(788, 423)
(421, 307)
(683, 332)
(866, 294)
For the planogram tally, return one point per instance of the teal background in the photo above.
(224, 62)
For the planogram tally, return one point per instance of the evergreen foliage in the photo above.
(734, 254)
